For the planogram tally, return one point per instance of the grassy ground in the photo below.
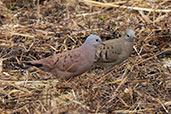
(33, 30)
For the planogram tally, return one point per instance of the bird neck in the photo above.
(90, 51)
(87, 45)
(129, 39)
(89, 48)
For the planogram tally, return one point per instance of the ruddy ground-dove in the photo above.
(115, 51)
(71, 63)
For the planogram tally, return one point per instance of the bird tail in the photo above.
(35, 63)
(39, 64)
(31, 63)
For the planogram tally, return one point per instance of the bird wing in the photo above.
(63, 62)
(109, 52)
(67, 61)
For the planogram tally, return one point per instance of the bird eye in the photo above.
(97, 40)
(127, 35)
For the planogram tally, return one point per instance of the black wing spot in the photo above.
(56, 61)
(65, 57)
(70, 55)
(106, 55)
(100, 54)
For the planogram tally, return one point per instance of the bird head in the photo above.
(93, 40)
(129, 35)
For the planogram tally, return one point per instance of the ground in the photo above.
(32, 30)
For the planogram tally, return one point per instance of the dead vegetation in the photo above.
(33, 30)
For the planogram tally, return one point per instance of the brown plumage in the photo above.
(71, 63)
(115, 51)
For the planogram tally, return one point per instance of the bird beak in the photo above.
(102, 43)
(135, 38)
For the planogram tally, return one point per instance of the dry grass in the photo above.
(28, 30)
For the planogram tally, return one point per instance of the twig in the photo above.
(124, 7)
(117, 89)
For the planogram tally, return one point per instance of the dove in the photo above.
(71, 63)
(115, 51)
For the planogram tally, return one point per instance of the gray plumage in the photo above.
(115, 51)
(71, 63)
